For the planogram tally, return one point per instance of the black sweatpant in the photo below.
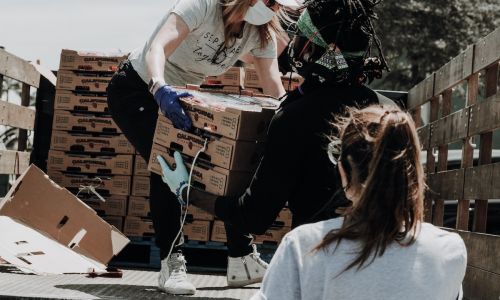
(135, 111)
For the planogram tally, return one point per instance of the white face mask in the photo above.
(259, 14)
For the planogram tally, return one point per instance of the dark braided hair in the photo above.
(348, 24)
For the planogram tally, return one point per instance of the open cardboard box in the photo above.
(47, 230)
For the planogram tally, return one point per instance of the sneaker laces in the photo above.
(256, 255)
(177, 265)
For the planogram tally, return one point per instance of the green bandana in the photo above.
(307, 27)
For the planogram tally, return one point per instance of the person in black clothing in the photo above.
(330, 50)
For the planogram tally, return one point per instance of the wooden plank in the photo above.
(478, 182)
(421, 93)
(13, 162)
(450, 128)
(16, 116)
(22, 139)
(482, 250)
(481, 284)
(487, 51)
(18, 69)
(424, 134)
(495, 177)
(455, 71)
(485, 116)
(449, 184)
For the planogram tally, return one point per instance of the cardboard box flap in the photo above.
(30, 250)
(41, 204)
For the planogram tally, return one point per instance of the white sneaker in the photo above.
(173, 278)
(245, 270)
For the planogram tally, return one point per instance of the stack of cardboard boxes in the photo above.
(231, 82)
(88, 151)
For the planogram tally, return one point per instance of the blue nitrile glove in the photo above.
(177, 180)
(168, 101)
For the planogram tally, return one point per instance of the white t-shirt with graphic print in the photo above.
(194, 58)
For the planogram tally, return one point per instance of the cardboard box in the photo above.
(251, 79)
(197, 213)
(221, 151)
(104, 184)
(232, 77)
(114, 206)
(291, 81)
(135, 226)
(48, 224)
(140, 186)
(68, 100)
(69, 121)
(218, 232)
(86, 163)
(213, 179)
(92, 143)
(224, 89)
(116, 221)
(272, 236)
(140, 166)
(90, 61)
(82, 81)
(284, 218)
(197, 230)
(237, 117)
(138, 207)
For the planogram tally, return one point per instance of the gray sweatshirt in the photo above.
(431, 268)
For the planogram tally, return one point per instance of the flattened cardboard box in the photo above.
(85, 163)
(197, 230)
(68, 121)
(92, 143)
(140, 166)
(83, 82)
(237, 117)
(114, 205)
(116, 221)
(103, 184)
(135, 226)
(218, 232)
(138, 207)
(213, 179)
(68, 100)
(47, 224)
(232, 77)
(222, 152)
(90, 61)
(140, 186)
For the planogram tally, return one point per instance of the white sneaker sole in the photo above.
(242, 283)
(177, 291)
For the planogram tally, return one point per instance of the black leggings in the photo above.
(135, 111)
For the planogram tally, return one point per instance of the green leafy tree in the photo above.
(419, 36)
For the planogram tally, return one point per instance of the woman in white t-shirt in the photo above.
(380, 248)
(196, 38)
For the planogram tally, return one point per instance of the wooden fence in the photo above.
(441, 125)
(18, 116)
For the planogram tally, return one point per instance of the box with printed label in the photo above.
(238, 117)
(232, 77)
(197, 213)
(92, 143)
(103, 184)
(140, 186)
(116, 221)
(87, 163)
(140, 166)
(251, 79)
(138, 207)
(114, 205)
(90, 61)
(70, 121)
(213, 179)
(222, 152)
(83, 81)
(273, 235)
(218, 232)
(197, 230)
(135, 226)
(69, 100)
